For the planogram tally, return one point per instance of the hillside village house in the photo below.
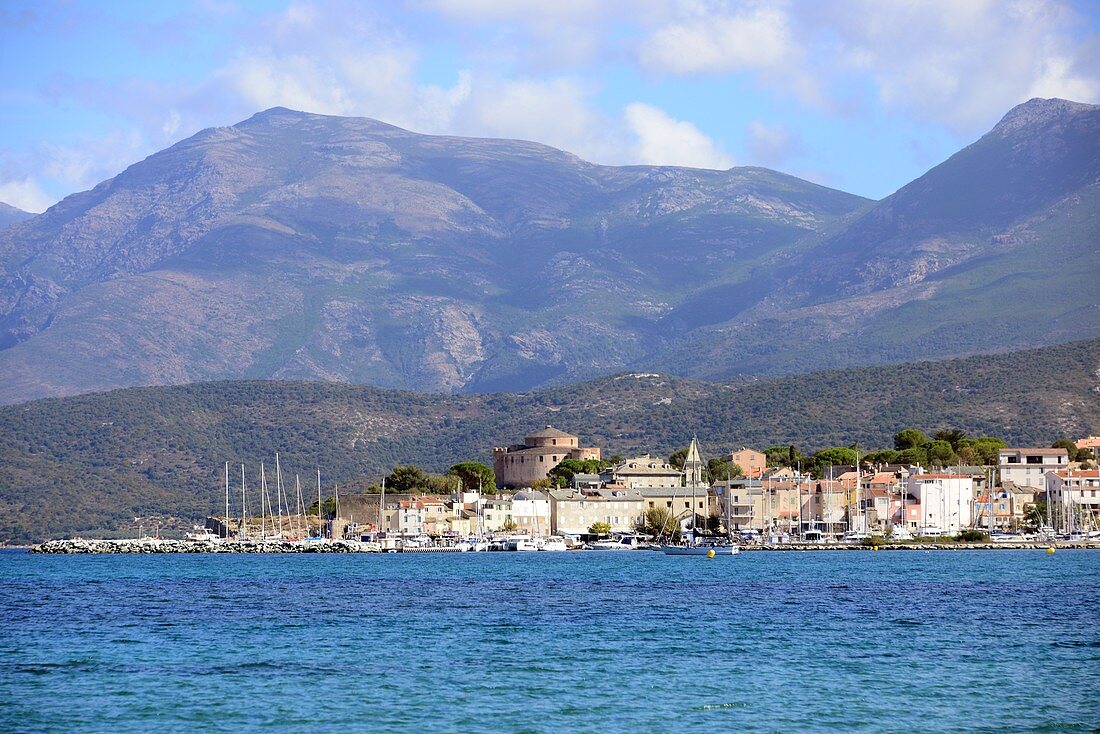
(1089, 442)
(752, 462)
(520, 465)
(1028, 467)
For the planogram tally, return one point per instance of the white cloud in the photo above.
(25, 194)
(557, 112)
(962, 63)
(753, 38)
(665, 141)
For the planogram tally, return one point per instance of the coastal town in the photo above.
(539, 497)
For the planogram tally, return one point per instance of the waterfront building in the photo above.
(643, 471)
(520, 465)
(737, 501)
(1028, 467)
(946, 501)
(496, 512)
(1074, 497)
(752, 462)
(531, 512)
(678, 500)
(425, 514)
(573, 511)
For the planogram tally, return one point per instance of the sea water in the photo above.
(994, 641)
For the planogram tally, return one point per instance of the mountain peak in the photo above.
(1039, 111)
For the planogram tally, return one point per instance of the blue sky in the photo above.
(862, 95)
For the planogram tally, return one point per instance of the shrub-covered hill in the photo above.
(90, 464)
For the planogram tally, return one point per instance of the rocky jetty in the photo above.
(154, 545)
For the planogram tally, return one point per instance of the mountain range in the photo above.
(10, 215)
(302, 246)
(89, 464)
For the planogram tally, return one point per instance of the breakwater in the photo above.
(152, 545)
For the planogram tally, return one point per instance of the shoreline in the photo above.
(82, 546)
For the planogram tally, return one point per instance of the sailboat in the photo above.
(693, 468)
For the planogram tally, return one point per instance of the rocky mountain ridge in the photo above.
(301, 246)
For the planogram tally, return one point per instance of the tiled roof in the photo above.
(550, 432)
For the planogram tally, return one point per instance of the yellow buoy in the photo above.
(874, 547)
(710, 554)
(1050, 551)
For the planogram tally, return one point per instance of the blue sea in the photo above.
(935, 641)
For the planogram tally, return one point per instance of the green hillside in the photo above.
(89, 464)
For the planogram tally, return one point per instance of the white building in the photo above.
(1028, 467)
(1074, 498)
(496, 512)
(531, 512)
(946, 501)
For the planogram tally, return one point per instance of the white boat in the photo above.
(553, 543)
(626, 541)
(203, 535)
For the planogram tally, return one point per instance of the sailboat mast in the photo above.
(244, 506)
(320, 522)
(279, 491)
(227, 500)
(335, 511)
(263, 498)
(382, 506)
(298, 506)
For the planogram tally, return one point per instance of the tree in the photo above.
(509, 526)
(658, 522)
(1035, 516)
(443, 484)
(474, 474)
(562, 474)
(677, 458)
(720, 470)
(600, 528)
(910, 438)
(985, 449)
(940, 453)
(408, 478)
(886, 456)
(836, 455)
(1068, 445)
(913, 456)
(777, 455)
(953, 436)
